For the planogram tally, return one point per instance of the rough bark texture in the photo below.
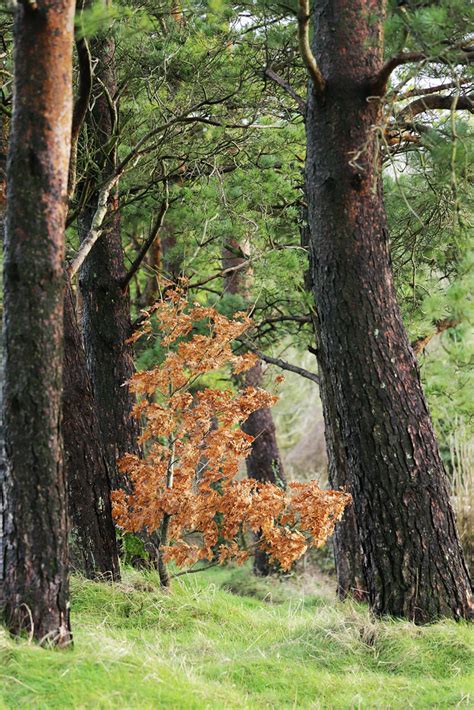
(105, 308)
(348, 556)
(373, 401)
(264, 462)
(35, 588)
(93, 547)
(4, 130)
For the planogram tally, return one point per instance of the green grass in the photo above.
(265, 644)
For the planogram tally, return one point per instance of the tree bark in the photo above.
(4, 131)
(93, 547)
(106, 308)
(35, 587)
(373, 401)
(348, 556)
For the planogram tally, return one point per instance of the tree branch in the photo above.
(307, 55)
(282, 364)
(132, 157)
(151, 238)
(433, 102)
(80, 107)
(378, 85)
(196, 569)
(277, 79)
(282, 319)
(420, 344)
(96, 227)
(432, 89)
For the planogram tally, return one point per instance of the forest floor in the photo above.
(223, 639)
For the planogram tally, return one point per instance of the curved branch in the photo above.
(432, 102)
(378, 85)
(433, 89)
(420, 344)
(307, 55)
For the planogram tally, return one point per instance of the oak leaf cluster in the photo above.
(185, 485)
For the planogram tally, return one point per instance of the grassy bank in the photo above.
(261, 645)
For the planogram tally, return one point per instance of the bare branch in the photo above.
(433, 102)
(277, 79)
(282, 364)
(96, 227)
(194, 570)
(378, 86)
(154, 232)
(432, 89)
(132, 157)
(80, 107)
(420, 344)
(219, 274)
(302, 320)
(307, 55)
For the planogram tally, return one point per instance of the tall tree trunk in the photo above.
(264, 462)
(4, 130)
(36, 577)
(93, 547)
(106, 308)
(373, 400)
(348, 556)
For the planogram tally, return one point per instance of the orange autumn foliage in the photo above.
(184, 485)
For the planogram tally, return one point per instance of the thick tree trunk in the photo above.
(264, 462)
(4, 130)
(348, 556)
(373, 401)
(36, 581)
(106, 308)
(93, 547)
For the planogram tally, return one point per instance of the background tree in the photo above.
(263, 461)
(92, 545)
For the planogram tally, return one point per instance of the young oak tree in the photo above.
(378, 426)
(184, 484)
(35, 589)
